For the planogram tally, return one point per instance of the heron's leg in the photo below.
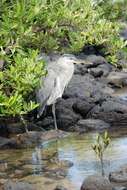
(54, 116)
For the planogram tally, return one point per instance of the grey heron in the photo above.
(59, 73)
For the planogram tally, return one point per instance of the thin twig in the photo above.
(24, 123)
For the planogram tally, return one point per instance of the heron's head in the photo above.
(69, 58)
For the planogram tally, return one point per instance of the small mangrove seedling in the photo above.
(101, 144)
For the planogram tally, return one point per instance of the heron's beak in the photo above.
(79, 61)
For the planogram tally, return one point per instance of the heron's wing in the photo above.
(63, 76)
(53, 85)
(45, 90)
(56, 92)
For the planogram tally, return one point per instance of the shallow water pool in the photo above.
(76, 148)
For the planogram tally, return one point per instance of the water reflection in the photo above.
(37, 161)
(76, 149)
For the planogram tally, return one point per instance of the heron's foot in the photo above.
(26, 130)
(57, 132)
(56, 128)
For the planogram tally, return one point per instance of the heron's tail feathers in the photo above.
(41, 108)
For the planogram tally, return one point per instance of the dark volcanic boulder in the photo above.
(46, 123)
(7, 143)
(18, 127)
(85, 87)
(119, 176)
(59, 187)
(82, 106)
(96, 72)
(96, 60)
(10, 185)
(96, 182)
(79, 87)
(3, 130)
(106, 68)
(112, 110)
(101, 70)
(93, 49)
(117, 78)
(91, 124)
(66, 117)
(80, 69)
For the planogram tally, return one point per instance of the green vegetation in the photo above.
(113, 10)
(101, 144)
(30, 26)
(61, 25)
(21, 72)
(17, 82)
